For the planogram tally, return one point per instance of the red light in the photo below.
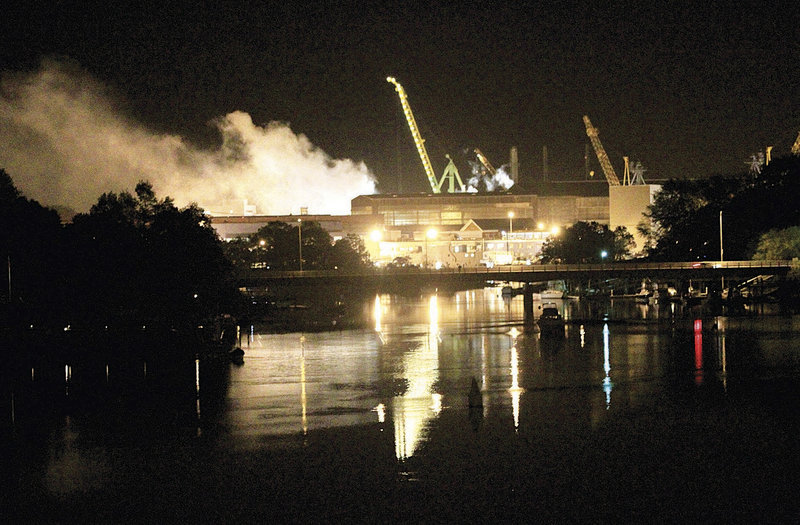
(698, 351)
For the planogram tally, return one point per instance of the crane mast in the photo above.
(485, 162)
(608, 169)
(418, 141)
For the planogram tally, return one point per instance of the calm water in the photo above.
(639, 413)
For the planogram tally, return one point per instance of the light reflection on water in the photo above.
(361, 377)
(412, 367)
(420, 357)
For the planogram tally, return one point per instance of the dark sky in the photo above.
(689, 89)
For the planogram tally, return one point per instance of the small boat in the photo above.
(554, 290)
(551, 293)
(550, 321)
(510, 291)
(643, 297)
(236, 355)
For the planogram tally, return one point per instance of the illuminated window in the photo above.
(452, 217)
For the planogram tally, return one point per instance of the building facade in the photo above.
(461, 229)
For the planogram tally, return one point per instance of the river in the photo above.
(638, 413)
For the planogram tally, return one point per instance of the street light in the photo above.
(300, 241)
(430, 234)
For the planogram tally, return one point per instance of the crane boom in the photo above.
(485, 162)
(796, 147)
(418, 141)
(608, 169)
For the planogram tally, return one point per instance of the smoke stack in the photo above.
(514, 165)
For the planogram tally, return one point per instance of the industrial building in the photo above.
(456, 226)
(466, 229)
(230, 227)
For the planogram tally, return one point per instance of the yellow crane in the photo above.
(450, 173)
(485, 162)
(608, 169)
(796, 147)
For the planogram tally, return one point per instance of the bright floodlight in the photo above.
(375, 235)
(432, 233)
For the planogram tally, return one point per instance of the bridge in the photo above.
(478, 277)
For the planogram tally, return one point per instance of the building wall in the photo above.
(395, 225)
(627, 205)
(451, 250)
(231, 227)
(452, 209)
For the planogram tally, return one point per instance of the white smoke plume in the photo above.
(64, 143)
(480, 177)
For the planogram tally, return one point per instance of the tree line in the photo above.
(135, 259)
(282, 246)
(759, 212)
(760, 216)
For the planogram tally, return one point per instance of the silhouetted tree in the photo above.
(779, 244)
(349, 253)
(685, 214)
(30, 253)
(138, 259)
(276, 246)
(586, 242)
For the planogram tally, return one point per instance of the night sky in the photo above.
(687, 89)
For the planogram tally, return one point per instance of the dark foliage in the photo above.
(30, 247)
(686, 213)
(586, 242)
(133, 259)
(277, 246)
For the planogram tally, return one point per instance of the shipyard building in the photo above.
(467, 229)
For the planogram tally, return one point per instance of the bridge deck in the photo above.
(523, 273)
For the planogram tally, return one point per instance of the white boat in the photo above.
(554, 290)
(552, 293)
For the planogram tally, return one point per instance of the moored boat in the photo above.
(550, 321)
(551, 294)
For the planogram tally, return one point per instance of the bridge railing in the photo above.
(531, 270)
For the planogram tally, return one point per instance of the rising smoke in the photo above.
(483, 181)
(64, 142)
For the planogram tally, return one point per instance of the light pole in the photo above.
(721, 251)
(510, 232)
(300, 241)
